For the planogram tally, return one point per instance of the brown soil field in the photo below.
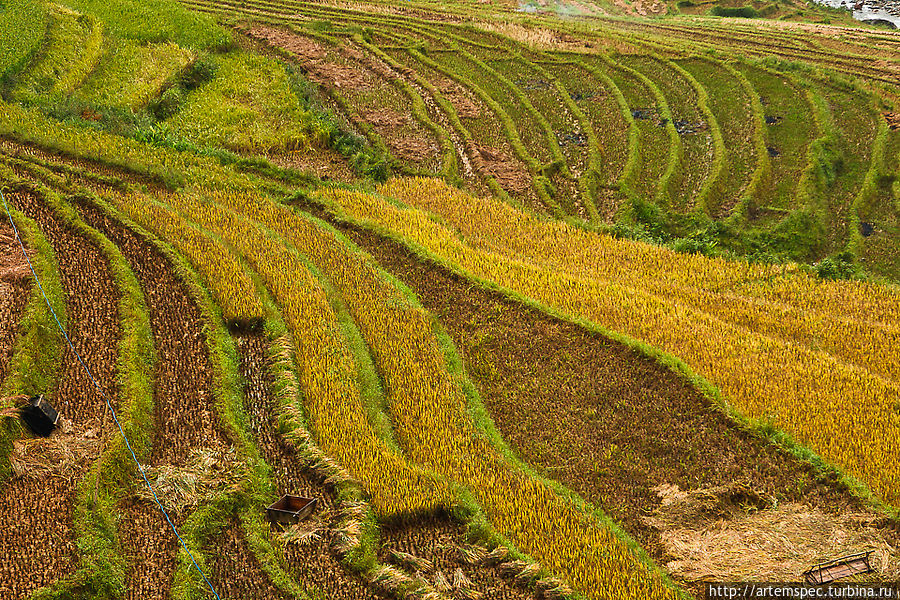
(614, 426)
(184, 413)
(35, 553)
(15, 286)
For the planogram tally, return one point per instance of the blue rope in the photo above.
(103, 395)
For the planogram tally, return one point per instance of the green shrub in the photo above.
(842, 265)
(202, 71)
(168, 103)
(746, 12)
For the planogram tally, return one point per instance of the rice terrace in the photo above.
(461, 300)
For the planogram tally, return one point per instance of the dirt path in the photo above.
(184, 416)
(615, 426)
(313, 564)
(15, 286)
(35, 553)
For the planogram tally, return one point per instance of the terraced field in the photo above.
(601, 306)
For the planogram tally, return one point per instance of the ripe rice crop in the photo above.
(232, 287)
(844, 412)
(431, 415)
(328, 372)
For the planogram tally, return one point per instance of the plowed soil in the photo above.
(15, 285)
(313, 564)
(184, 415)
(597, 416)
(312, 56)
(34, 553)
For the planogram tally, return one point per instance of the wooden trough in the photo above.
(839, 568)
(291, 509)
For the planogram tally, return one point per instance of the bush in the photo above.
(202, 71)
(839, 266)
(746, 12)
(167, 104)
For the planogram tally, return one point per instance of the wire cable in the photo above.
(103, 395)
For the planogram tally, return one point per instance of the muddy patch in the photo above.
(412, 149)
(506, 170)
(464, 106)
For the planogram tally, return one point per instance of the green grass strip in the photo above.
(664, 196)
(762, 174)
(34, 364)
(713, 183)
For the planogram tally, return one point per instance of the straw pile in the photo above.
(67, 453)
(208, 474)
(718, 539)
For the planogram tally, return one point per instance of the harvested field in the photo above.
(150, 549)
(311, 560)
(509, 173)
(725, 532)
(435, 550)
(184, 414)
(302, 47)
(412, 149)
(462, 102)
(598, 417)
(36, 553)
(15, 285)
(32, 554)
(313, 57)
(385, 118)
(236, 579)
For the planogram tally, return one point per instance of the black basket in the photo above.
(39, 416)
